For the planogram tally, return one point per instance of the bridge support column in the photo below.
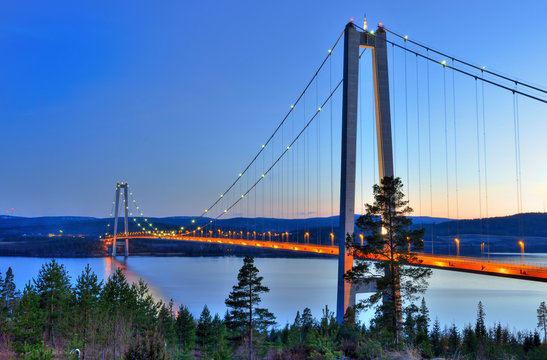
(353, 40)
(349, 152)
(116, 217)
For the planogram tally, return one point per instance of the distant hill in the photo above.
(502, 233)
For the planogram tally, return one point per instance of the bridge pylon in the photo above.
(125, 244)
(353, 41)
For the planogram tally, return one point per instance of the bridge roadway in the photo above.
(483, 266)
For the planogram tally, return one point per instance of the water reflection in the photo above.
(299, 283)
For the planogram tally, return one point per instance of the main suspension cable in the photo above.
(483, 69)
(444, 64)
(275, 131)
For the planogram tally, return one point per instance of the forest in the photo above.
(54, 315)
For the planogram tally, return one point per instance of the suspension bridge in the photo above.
(423, 116)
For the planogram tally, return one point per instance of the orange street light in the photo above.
(307, 236)
(362, 237)
(331, 238)
(521, 243)
(457, 241)
(408, 240)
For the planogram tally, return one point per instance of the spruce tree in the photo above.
(480, 328)
(29, 319)
(219, 332)
(436, 338)
(166, 323)
(392, 243)
(453, 338)
(204, 332)
(117, 301)
(423, 318)
(542, 320)
(185, 328)
(410, 324)
(53, 287)
(86, 299)
(9, 292)
(244, 315)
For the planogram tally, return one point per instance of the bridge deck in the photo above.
(535, 272)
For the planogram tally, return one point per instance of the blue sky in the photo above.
(176, 96)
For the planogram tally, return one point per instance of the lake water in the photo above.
(294, 284)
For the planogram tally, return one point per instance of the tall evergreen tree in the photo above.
(204, 332)
(327, 330)
(542, 320)
(480, 327)
(29, 319)
(116, 302)
(143, 308)
(244, 315)
(86, 299)
(390, 240)
(219, 332)
(9, 292)
(436, 338)
(423, 319)
(166, 323)
(53, 287)
(453, 338)
(185, 328)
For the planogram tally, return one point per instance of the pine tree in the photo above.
(185, 329)
(143, 308)
(166, 323)
(219, 333)
(204, 332)
(480, 328)
(29, 319)
(389, 240)
(327, 330)
(542, 319)
(244, 315)
(116, 303)
(307, 320)
(295, 331)
(86, 299)
(53, 287)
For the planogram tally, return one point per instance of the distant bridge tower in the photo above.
(125, 187)
(353, 40)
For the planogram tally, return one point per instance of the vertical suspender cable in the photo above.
(374, 139)
(361, 138)
(331, 153)
(318, 155)
(485, 165)
(478, 152)
(406, 132)
(455, 150)
(418, 137)
(446, 153)
(517, 161)
(394, 106)
(430, 165)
